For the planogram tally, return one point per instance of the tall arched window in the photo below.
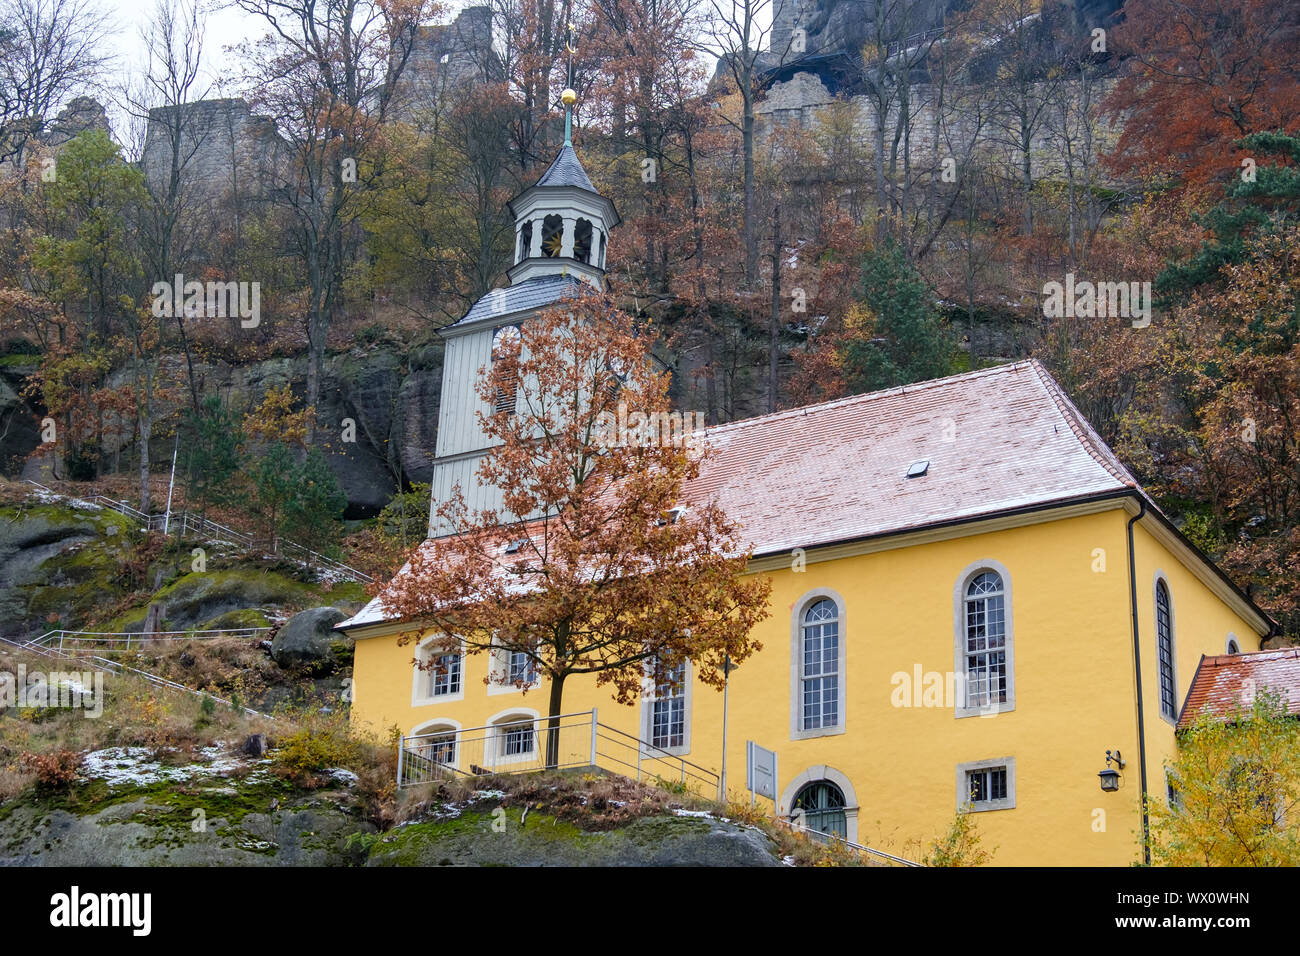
(1165, 651)
(985, 650)
(820, 666)
(505, 339)
(819, 806)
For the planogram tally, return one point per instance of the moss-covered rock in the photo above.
(59, 563)
(201, 596)
(501, 837)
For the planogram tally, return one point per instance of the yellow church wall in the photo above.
(1202, 624)
(1071, 667)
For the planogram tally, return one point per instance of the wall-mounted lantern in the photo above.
(1110, 776)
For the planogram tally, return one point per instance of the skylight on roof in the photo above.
(918, 468)
(514, 546)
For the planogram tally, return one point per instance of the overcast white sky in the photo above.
(225, 26)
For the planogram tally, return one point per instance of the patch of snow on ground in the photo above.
(341, 775)
(118, 766)
(680, 812)
(488, 794)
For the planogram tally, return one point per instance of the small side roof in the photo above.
(534, 293)
(1220, 685)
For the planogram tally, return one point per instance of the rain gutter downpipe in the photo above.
(1137, 672)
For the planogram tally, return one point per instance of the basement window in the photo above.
(918, 468)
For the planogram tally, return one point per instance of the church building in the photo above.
(974, 604)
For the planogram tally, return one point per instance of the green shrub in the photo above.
(314, 749)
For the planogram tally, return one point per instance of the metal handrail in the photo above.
(126, 638)
(181, 521)
(415, 765)
(113, 667)
(857, 847)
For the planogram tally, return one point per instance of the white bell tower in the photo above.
(561, 234)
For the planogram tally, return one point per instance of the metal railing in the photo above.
(831, 838)
(572, 741)
(118, 641)
(184, 523)
(116, 668)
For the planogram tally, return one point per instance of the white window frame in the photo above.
(797, 730)
(422, 680)
(442, 726)
(1157, 579)
(494, 754)
(967, 575)
(499, 674)
(649, 696)
(964, 801)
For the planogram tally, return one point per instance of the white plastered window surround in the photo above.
(436, 728)
(422, 678)
(648, 700)
(499, 674)
(988, 705)
(798, 728)
(964, 770)
(837, 777)
(499, 725)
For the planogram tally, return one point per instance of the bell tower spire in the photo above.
(569, 96)
(562, 223)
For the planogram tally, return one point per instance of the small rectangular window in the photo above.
(442, 749)
(987, 784)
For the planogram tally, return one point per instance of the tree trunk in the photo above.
(774, 341)
(553, 712)
(747, 136)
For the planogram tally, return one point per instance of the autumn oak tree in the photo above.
(607, 575)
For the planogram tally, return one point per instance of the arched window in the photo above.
(504, 338)
(1233, 647)
(820, 666)
(513, 737)
(819, 806)
(985, 644)
(582, 241)
(1165, 651)
(552, 236)
(437, 744)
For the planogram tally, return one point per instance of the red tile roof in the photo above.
(997, 440)
(1221, 682)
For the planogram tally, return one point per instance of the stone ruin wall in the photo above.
(803, 103)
